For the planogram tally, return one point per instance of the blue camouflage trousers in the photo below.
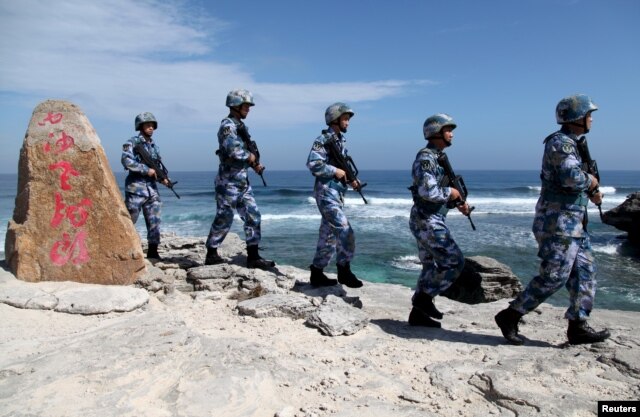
(336, 234)
(566, 261)
(441, 258)
(229, 197)
(151, 208)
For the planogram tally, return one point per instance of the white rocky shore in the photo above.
(190, 340)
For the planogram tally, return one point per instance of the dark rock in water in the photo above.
(484, 280)
(626, 217)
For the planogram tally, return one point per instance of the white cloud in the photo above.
(118, 56)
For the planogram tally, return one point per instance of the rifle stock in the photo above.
(161, 171)
(455, 181)
(346, 164)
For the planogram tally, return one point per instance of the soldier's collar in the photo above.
(339, 135)
(567, 132)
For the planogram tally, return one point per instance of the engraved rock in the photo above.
(69, 221)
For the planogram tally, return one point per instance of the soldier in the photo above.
(559, 227)
(441, 258)
(233, 190)
(336, 234)
(140, 185)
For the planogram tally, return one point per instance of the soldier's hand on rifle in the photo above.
(455, 194)
(355, 184)
(594, 193)
(165, 182)
(340, 173)
(596, 198)
(152, 173)
(258, 168)
(464, 209)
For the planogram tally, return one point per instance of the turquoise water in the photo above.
(386, 251)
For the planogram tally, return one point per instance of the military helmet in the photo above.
(336, 110)
(145, 118)
(434, 124)
(239, 97)
(573, 108)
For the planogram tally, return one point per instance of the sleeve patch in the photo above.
(567, 148)
(226, 131)
(427, 165)
(317, 146)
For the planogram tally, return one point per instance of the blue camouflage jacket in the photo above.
(427, 192)
(562, 176)
(233, 153)
(319, 164)
(137, 181)
(561, 209)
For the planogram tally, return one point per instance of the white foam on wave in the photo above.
(609, 249)
(605, 189)
(408, 262)
(483, 205)
(379, 201)
(291, 216)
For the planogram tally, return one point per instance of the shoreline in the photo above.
(187, 354)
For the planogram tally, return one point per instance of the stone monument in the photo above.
(69, 221)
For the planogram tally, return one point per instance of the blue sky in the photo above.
(498, 67)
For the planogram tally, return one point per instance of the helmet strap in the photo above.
(582, 125)
(440, 136)
(235, 112)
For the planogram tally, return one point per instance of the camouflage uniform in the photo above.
(336, 234)
(233, 190)
(141, 190)
(441, 258)
(559, 227)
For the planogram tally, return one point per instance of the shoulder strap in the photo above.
(428, 150)
(549, 137)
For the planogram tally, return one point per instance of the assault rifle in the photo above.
(157, 165)
(252, 147)
(346, 164)
(452, 180)
(589, 166)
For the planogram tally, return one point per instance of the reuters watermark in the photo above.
(619, 408)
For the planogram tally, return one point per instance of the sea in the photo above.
(386, 251)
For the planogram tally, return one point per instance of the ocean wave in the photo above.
(407, 263)
(609, 249)
(538, 188)
(291, 216)
(288, 192)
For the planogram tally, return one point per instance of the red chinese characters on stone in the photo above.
(70, 249)
(52, 118)
(67, 170)
(77, 214)
(62, 144)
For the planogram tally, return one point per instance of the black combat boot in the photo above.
(254, 260)
(152, 251)
(346, 277)
(424, 302)
(418, 318)
(319, 279)
(507, 320)
(212, 257)
(580, 332)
